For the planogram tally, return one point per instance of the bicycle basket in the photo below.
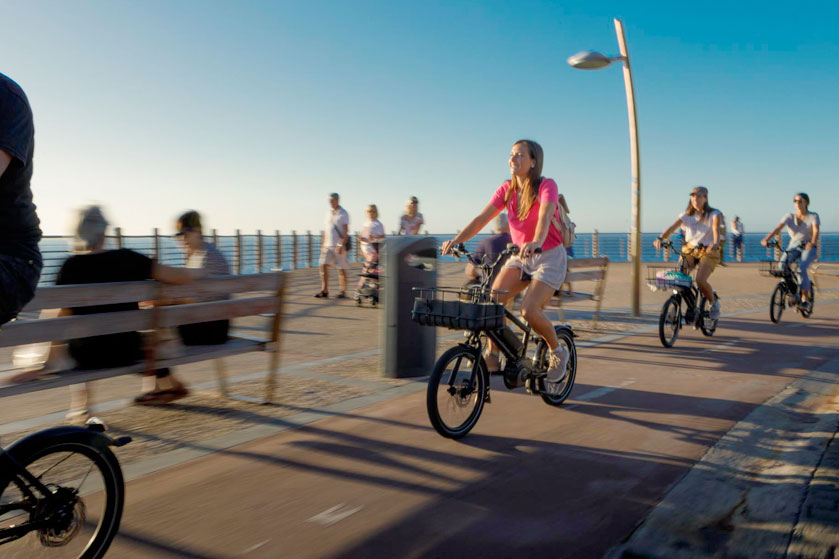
(667, 277)
(443, 307)
(771, 268)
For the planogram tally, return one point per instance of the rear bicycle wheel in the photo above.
(708, 325)
(812, 301)
(88, 483)
(670, 321)
(555, 393)
(456, 392)
(777, 303)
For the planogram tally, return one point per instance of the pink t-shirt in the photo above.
(524, 231)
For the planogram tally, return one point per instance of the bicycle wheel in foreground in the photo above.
(456, 392)
(776, 303)
(670, 321)
(88, 481)
(555, 393)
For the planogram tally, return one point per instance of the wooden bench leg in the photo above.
(221, 376)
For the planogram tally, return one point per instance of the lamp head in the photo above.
(589, 60)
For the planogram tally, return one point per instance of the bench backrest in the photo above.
(66, 296)
(576, 266)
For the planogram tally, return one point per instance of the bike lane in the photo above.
(529, 479)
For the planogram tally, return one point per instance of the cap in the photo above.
(699, 190)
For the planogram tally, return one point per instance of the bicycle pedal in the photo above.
(487, 398)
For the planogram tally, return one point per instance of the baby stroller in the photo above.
(368, 283)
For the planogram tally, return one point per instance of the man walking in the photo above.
(20, 259)
(737, 231)
(333, 248)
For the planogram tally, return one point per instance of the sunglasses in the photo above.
(797, 200)
(183, 231)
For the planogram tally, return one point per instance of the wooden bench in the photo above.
(248, 298)
(584, 269)
(822, 270)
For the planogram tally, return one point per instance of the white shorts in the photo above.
(549, 267)
(330, 257)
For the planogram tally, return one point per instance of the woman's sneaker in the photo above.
(714, 311)
(558, 364)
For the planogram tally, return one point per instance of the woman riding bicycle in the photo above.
(701, 224)
(531, 201)
(803, 228)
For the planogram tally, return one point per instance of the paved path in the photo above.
(346, 464)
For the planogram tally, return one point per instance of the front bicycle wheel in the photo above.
(555, 393)
(456, 392)
(89, 489)
(670, 321)
(777, 303)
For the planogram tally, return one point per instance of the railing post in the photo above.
(778, 248)
(595, 244)
(238, 252)
(259, 254)
(630, 250)
(309, 248)
(118, 234)
(356, 249)
(156, 245)
(278, 250)
(215, 237)
(294, 250)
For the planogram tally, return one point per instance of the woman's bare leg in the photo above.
(532, 306)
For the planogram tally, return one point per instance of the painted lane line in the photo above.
(334, 514)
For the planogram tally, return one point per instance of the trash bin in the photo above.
(408, 349)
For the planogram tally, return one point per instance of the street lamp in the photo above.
(589, 60)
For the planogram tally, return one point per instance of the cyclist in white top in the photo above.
(803, 228)
(701, 224)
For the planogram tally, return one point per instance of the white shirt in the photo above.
(411, 225)
(800, 232)
(372, 230)
(737, 228)
(334, 226)
(698, 231)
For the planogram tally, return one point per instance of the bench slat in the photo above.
(588, 262)
(191, 354)
(216, 310)
(84, 295)
(585, 276)
(69, 327)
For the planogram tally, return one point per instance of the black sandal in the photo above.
(341, 295)
(321, 295)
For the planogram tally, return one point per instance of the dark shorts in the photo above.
(18, 279)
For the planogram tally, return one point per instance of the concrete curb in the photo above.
(744, 497)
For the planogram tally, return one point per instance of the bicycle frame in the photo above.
(24, 480)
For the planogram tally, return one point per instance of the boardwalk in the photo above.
(346, 465)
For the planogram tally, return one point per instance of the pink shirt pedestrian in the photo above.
(524, 231)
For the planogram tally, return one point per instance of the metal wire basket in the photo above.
(771, 268)
(667, 277)
(446, 307)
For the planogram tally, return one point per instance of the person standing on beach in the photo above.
(532, 202)
(737, 231)
(20, 258)
(411, 220)
(701, 225)
(333, 248)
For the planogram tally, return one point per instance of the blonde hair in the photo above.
(412, 200)
(530, 185)
(373, 208)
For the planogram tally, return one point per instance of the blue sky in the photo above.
(251, 112)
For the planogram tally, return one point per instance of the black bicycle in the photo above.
(459, 384)
(61, 494)
(787, 294)
(680, 281)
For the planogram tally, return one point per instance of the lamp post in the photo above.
(589, 60)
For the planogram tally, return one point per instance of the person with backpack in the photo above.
(532, 205)
(334, 244)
